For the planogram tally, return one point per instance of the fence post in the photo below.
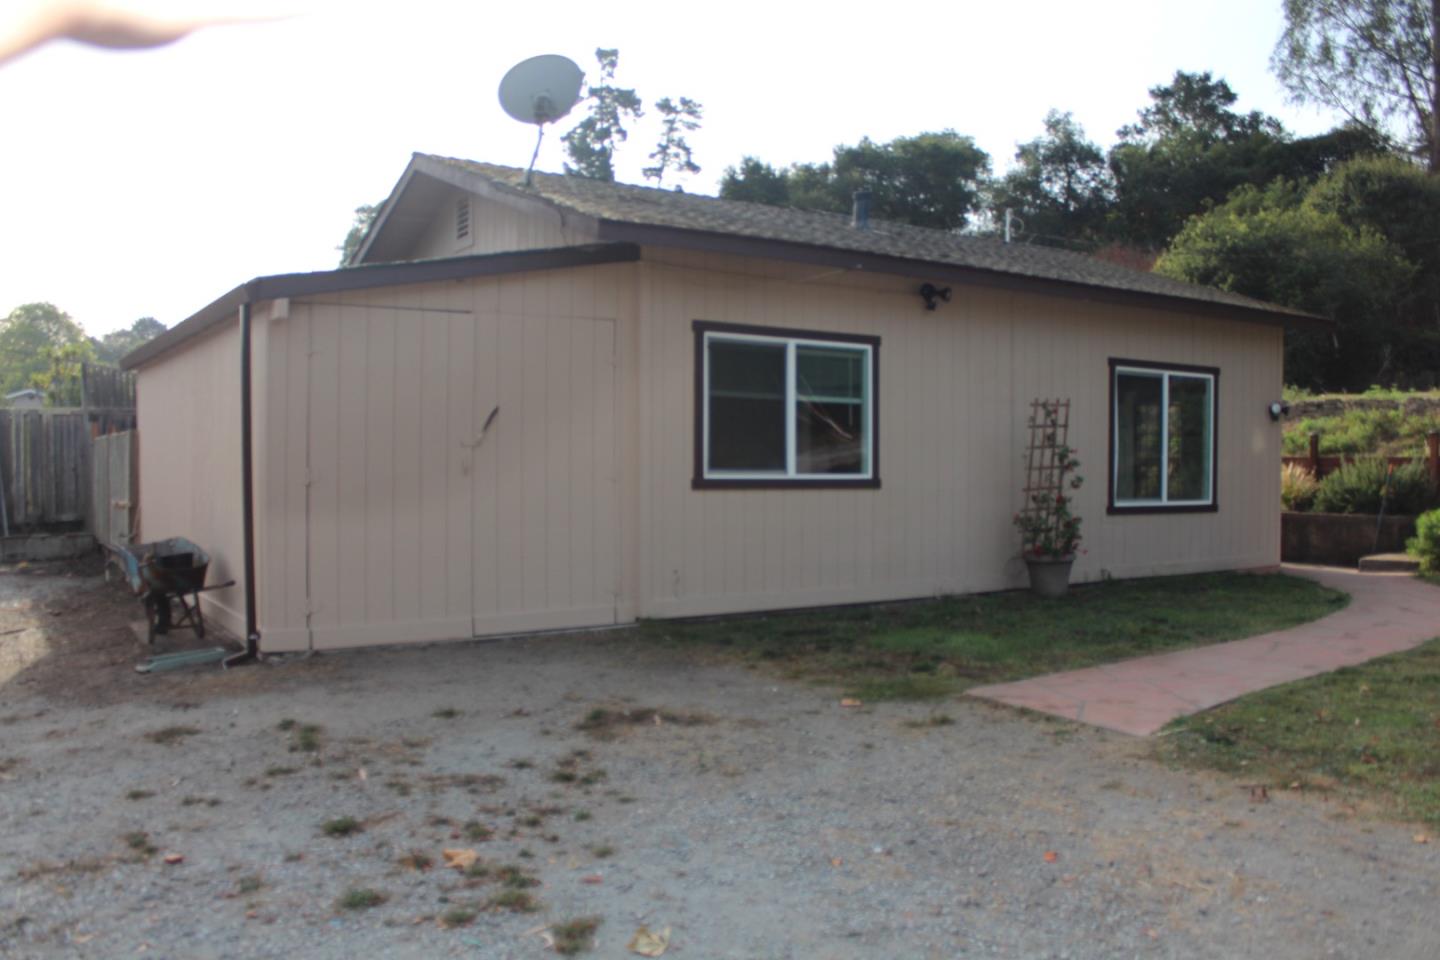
(1432, 441)
(1315, 455)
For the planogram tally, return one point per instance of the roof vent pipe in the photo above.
(860, 213)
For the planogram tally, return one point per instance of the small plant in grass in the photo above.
(1425, 545)
(477, 832)
(166, 736)
(582, 815)
(286, 725)
(446, 713)
(1298, 487)
(458, 917)
(360, 898)
(516, 901)
(574, 936)
(603, 851)
(341, 827)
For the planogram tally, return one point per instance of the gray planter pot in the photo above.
(1049, 576)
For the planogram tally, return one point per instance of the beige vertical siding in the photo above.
(188, 411)
(494, 228)
(389, 517)
(384, 516)
(955, 386)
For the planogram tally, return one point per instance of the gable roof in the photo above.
(616, 212)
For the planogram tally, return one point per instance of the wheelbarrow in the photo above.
(166, 575)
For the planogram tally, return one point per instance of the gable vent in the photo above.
(462, 218)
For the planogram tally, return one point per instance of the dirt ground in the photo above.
(753, 819)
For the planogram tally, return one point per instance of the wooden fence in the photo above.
(113, 488)
(1319, 466)
(44, 469)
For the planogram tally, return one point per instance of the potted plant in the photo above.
(1049, 529)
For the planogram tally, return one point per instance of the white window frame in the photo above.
(1163, 374)
(789, 473)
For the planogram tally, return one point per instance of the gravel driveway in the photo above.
(755, 819)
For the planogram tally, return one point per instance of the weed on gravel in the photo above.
(417, 860)
(446, 713)
(341, 827)
(575, 936)
(139, 794)
(139, 841)
(168, 736)
(605, 723)
(936, 648)
(360, 898)
(477, 832)
(458, 917)
(251, 883)
(516, 901)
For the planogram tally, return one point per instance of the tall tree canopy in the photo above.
(1060, 184)
(1376, 61)
(673, 151)
(591, 143)
(929, 180)
(30, 338)
(1190, 149)
(1356, 246)
(364, 216)
(115, 344)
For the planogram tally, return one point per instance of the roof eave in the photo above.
(624, 231)
(364, 277)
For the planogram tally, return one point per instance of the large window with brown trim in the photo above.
(783, 407)
(1162, 436)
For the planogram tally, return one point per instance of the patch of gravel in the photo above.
(770, 822)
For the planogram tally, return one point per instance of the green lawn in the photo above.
(936, 648)
(1371, 731)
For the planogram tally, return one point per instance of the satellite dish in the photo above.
(540, 90)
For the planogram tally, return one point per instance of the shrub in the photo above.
(1297, 487)
(1358, 488)
(1426, 542)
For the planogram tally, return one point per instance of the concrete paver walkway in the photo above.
(1388, 612)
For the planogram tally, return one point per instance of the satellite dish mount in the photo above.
(540, 90)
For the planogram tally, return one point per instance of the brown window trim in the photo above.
(1214, 505)
(699, 481)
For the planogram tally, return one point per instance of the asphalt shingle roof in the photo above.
(626, 203)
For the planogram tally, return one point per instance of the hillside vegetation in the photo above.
(1382, 422)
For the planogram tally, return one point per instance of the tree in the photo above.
(929, 180)
(591, 143)
(25, 337)
(1278, 244)
(364, 216)
(1376, 61)
(757, 182)
(115, 344)
(673, 151)
(1188, 151)
(61, 376)
(1060, 184)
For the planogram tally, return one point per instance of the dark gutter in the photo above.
(285, 285)
(622, 232)
(247, 497)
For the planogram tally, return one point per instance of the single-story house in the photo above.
(574, 403)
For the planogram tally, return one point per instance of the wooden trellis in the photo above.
(1048, 461)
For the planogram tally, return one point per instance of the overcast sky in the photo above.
(149, 183)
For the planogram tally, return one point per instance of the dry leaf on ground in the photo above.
(648, 944)
(1051, 856)
(460, 859)
(851, 702)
